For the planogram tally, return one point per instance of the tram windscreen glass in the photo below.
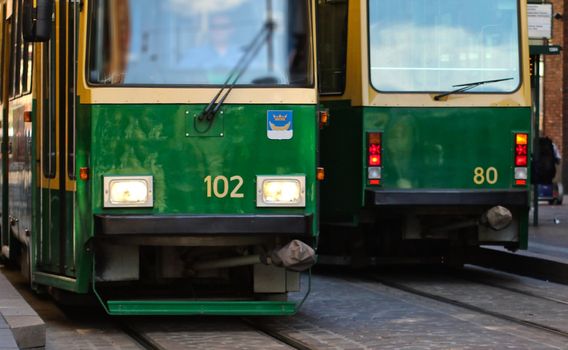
(432, 45)
(199, 42)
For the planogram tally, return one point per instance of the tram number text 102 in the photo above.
(220, 186)
(489, 175)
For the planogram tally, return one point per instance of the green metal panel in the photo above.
(83, 215)
(231, 308)
(144, 139)
(442, 147)
(152, 140)
(340, 156)
(61, 282)
(49, 258)
(423, 148)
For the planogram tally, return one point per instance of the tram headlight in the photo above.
(128, 191)
(280, 191)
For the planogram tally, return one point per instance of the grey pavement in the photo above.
(550, 236)
(20, 325)
(348, 313)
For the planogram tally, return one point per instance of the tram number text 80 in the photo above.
(489, 175)
(219, 186)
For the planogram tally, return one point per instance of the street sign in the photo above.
(545, 49)
(540, 21)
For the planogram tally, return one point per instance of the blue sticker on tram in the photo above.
(280, 125)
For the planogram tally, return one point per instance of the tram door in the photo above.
(56, 107)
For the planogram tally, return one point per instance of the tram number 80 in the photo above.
(219, 186)
(489, 175)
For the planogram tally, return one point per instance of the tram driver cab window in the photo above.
(200, 42)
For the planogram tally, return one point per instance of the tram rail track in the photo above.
(294, 343)
(146, 342)
(140, 338)
(511, 289)
(470, 307)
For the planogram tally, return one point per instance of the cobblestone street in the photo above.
(347, 312)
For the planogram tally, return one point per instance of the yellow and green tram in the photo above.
(427, 148)
(161, 155)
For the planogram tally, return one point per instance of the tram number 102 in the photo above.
(219, 186)
(489, 175)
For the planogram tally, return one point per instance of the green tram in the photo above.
(427, 147)
(161, 155)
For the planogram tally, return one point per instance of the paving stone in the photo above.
(7, 341)
(26, 328)
(29, 331)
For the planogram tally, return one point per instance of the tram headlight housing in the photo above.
(280, 191)
(128, 191)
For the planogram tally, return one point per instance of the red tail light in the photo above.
(374, 157)
(374, 140)
(375, 160)
(521, 158)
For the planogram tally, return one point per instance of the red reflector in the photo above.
(84, 173)
(521, 150)
(374, 138)
(375, 160)
(375, 149)
(320, 174)
(521, 160)
(374, 182)
(520, 182)
(324, 117)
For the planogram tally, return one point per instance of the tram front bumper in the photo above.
(129, 231)
(203, 225)
(417, 197)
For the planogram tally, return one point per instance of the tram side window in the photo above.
(15, 62)
(332, 45)
(48, 113)
(25, 51)
(21, 54)
(2, 12)
(26, 68)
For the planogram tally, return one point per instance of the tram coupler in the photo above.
(295, 256)
(497, 218)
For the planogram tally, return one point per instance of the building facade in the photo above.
(554, 99)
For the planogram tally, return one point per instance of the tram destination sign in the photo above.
(540, 21)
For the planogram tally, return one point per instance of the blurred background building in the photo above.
(549, 39)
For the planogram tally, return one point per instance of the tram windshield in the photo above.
(432, 45)
(200, 42)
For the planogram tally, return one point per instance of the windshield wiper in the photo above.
(263, 36)
(468, 86)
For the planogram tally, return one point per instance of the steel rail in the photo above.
(470, 307)
(294, 343)
(509, 289)
(139, 337)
